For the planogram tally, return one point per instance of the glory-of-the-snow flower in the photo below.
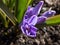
(31, 18)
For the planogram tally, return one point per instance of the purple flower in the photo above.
(28, 26)
(34, 10)
(45, 15)
(31, 19)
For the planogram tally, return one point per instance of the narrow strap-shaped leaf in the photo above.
(4, 18)
(53, 20)
(21, 7)
(5, 11)
(9, 3)
(5, 1)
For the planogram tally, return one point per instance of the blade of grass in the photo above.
(21, 8)
(3, 18)
(11, 3)
(4, 11)
(5, 2)
(53, 20)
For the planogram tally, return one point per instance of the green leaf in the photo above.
(53, 20)
(5, 2)
(4, 11)
(21, 8)
(9, 3)
(4, 18)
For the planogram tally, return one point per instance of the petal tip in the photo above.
(52, 12)
(42, 1)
